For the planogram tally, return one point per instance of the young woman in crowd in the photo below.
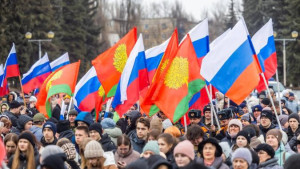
(166, 143)
(26, 156)
(210, 152)
(125, 153)
(184, 153)
(82, 146)
(10, 142)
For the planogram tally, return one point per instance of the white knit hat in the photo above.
(93, 149)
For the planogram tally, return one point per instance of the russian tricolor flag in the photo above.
(133, 80)
(3, 90)
(11, 67)
(59, 62)
(86, 91)
(36, 75)
(264, 45)
(153, 58)
(231, 66)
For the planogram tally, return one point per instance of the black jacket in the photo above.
(56, 112)
(137, 144)
(23, 160)
(44, 143)
(13, 118)
(69, 134)
(106, 143)
(264, 131)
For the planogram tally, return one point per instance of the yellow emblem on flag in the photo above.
(120, 57)
(178, 73)
(164, 65)
(54, 77)
(101, 91)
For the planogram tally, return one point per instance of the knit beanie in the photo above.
(70, 151)
(93, 149)
(108, 123)
(151, 146)
(50, 150)
(56, 161)
(185, 147)
(283, 119)
(51, 126)
(28, 136)
(156, 123)
(97, 127)
(63, 125)
(295, 116)
(244, 134)
(266, 148)
(242, 153)
(246, 117)
(22, 120)
(235, 122)
(292, 162)
(276, 133)
(266, 101)
(267, 113)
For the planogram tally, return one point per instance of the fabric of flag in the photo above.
(153, 58)
(264, 45)
(134, 79)
(232, 66)
(59, 62)
(36, 75)
(63, 80)
(180, 82)
(110, 64)
(87, 90)
(147, 101)
(11, 68)
(3, 90)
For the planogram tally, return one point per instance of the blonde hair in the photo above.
(29, 157)
(100, 163)
(81, 151)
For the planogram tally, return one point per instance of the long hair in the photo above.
(81, 151)
(99, 165)
(11, 137)
(29, 154)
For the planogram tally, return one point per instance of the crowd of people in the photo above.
(249, 136)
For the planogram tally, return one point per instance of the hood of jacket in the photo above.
(85, 117)
(114, 132)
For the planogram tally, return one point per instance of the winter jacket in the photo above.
(69, 134)
(270, 164)
(37, 131)
(263, 131)
(281, 154)
(128, 158)
(12, 117)
(293, 105)
(217, 164)
(137, 144)
(113, 133)
(84, 117)
(23, 161)
(44, 143)
(56, 112)
(292, 134)
(107, 143)
(230, 140)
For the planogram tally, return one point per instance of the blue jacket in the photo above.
(38, 132)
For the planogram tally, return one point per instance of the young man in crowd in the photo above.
(81, 132)
(266, 124)
(38, 122)
(71, 117)
(138, 137)
(14, 112)
(96, 133)
(49, 131)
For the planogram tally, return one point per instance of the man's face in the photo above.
(142, 131)
(256, 114)
(16, 110)
(28, 125)
(224, 122)
(207, 115)
(94, 135)
(81, 123)
(265, 122)
(72, 118)
(195, 120)
(245, 109)
(234, 129)
(80, 135)
(48, 134)
(27, 100)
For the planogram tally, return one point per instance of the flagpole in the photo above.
(212, 109)
(271, 99)
(22, 90)
(278, 92)
(185, 124)
(69, 108)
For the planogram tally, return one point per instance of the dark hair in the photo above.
(255, 127)
(123, 139)
(84, 128)
(154, 133)
(144, 121)
(11, 137)
(194, 132)
(7, 123)
(168, 138)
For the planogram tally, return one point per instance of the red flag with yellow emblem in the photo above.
(62, 80)
(180, 82)
(110, 64)
(147, 105)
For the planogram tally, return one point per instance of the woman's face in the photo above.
(123, 149)
(239, 163)
(234, 129)
(23, 145)
(241, 141)
(3, 108)
(163, 145)
(147, 154)
(182, 160)
(209, 151)
(272, 141)
(263, 156)
(93, 161)
(10, 147)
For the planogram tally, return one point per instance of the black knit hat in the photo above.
(62, 125)
(14, 104)
(244, 134)
(97, 127)
(214, 142)
(266, 101)
(22, 120)
(267, 148)
(55, 161)
(267, 113)
(295, 116)
(28, 136)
